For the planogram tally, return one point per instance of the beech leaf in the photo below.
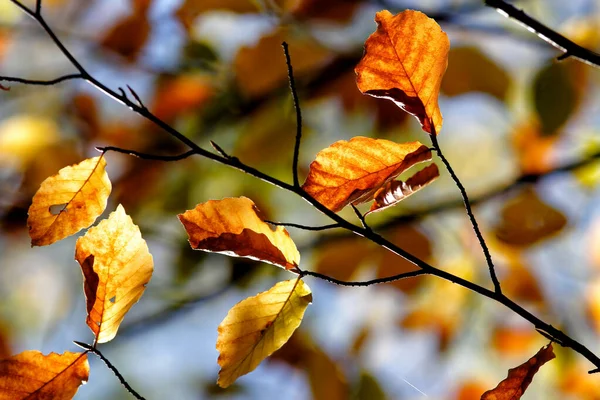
(32, 375)
(68, 201)
(233, 226)
(257, 326)
(116, 267)
(404, 61)
(395, 191)
(519, 378)
(352, 172)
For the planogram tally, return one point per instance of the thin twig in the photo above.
(146, 156)
(467, 203)
(304, 227)
(360, 217)
(36, 82)
(93, 349)
(388, 279)
(288, 62)
(136, 97)
(219, 149)
(568, 47)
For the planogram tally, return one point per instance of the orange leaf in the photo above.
(519, 378)
(352, 172)
(128, 36)
(116, 266)
(32, 375)
(68, 201)
(395, 191)
(233, 226)
(404, 61)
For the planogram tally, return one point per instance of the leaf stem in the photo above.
(467, 203)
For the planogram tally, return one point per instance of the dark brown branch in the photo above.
(35, 82)
(467, 203)
(146, 156)
(304, 227)
(364, 231)
(568, 47)
(288, 62)
(388, 279)
(115, 371)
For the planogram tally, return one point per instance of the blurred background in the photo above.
(520, 129)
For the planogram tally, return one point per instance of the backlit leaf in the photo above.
(68, 201)
(233, 226)
(404, 61)
(351, 172)
(256, 327)
(32, 375)
(116, 266)
(395, 191)
(519, 378)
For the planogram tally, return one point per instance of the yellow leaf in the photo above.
(404, 61)
(519, 378)
(395, 191)
(352, 172)
(116, 266)
(233, 226)
(256, 327)
(32, 375)
(68, 201)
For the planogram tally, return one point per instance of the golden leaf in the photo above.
(234, 227)
(395, 191)
(519, 378)
(68, 201)
(352, 172)
(256, 327)
(32, 375)
(116, 266)
(404, 61)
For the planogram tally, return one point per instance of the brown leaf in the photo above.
(32, 375)
(352, 172)
(519, 378)
(233, 226)
(404, 61)
(116, 267)
(128, 36)
(395, 191)
(68, 201)
(181, 94)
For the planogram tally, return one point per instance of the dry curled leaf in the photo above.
(395, 191)
(519, 378)
(404, 61)
(351, 172)
(256, 327)
(116, 266)
(68, 201)
(233, 226)
(32, 375)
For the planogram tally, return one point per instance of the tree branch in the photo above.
(388, 279)
(146, 156)
(568, 47)
(288, 62)
(50, 82)
(304, 227)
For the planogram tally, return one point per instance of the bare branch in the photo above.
(146, 156)
(35, 82)
(304, 227)
(388, 279)
(288, 62)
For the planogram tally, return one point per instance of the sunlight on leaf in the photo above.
(116, 266)
(256, 327)
(32, 375)
(352, 172)
(233, 226)
(404, 61)
(81, 190)
(395, 191)
(519, 378)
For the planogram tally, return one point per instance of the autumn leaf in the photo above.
(68, 201)
(395, 191)
(404, 61)
(116, 266)
(519, 378)
(256, 327)
(32, 375)
(233, 226)
(128, 36)
(352, 172)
